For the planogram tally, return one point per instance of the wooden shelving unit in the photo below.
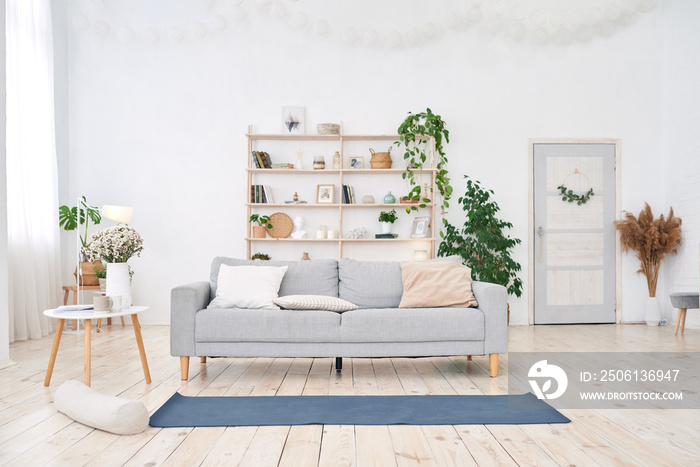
(252, 172)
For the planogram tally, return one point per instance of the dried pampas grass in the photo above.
(651, 238)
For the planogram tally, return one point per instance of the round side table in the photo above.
(88, 316)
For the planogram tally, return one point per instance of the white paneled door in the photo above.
(574, 244)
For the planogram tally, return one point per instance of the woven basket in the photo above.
(380, 160)
(282, 225)
(259, 231)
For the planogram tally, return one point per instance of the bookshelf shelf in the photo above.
(339, 176)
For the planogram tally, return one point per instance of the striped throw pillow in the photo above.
(314, 302)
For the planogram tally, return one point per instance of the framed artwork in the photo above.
(356, 162)
(420, 227)
(325, 194)
(293, 120)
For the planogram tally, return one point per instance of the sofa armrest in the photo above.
(493, 302)
(185, 302)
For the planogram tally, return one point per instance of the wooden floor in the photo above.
(33, 433)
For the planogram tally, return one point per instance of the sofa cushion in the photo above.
(373, 284)
(412, 325)
(248, 287)
(315, 277)
(370, 283)
(245, 325)
(314, 302)
(421, 279)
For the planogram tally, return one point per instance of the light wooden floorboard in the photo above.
(32, 432)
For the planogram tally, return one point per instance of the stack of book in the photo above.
(261, 194)
(261, 160)
(348, 195)
(386, 235)
(286, 165)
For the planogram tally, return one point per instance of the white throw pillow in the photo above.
(248, 286)
(314, 302)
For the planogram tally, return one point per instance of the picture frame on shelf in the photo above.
(294, 120)
(356, 162)
(325, 194)
(420, 227)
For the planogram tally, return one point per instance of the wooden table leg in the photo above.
(75, 302)
(87, 326)
(678, 320)
(54, 351)
(685, 310)
(142, 350)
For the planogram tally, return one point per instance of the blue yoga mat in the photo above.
(184, 411)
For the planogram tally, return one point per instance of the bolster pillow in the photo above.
(87, 406)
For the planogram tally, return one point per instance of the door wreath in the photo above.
(569, 196)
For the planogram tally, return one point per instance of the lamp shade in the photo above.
(121, 214)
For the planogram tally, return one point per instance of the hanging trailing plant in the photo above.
(571, 197)
(482, 242)
(414, 134)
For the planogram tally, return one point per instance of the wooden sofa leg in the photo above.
(493, 364)
(184, 368)
(202, 359)
(469, 357)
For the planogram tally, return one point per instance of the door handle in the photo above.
(540, 233)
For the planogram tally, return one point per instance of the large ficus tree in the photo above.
(482, 241)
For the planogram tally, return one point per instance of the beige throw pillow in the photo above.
(436, 284)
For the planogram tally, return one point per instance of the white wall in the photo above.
(4, 292)
(681, 144)
(161, 127)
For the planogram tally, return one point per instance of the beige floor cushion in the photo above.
(108, 413)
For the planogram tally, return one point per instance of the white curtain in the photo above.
(32, 177)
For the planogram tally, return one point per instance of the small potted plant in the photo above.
(261, 257)
(101, 273)
(387, 219)
(260, 230)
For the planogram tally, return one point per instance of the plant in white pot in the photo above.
(116, 245)
(652, 239)
(386, 219)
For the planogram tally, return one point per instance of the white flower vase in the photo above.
(652, 313)
(118, 282)
(386, 227)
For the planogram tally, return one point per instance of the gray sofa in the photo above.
(377, 329)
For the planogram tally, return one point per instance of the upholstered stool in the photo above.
(683, 301)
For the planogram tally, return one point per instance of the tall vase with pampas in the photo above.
(116, 245)
(652, 239)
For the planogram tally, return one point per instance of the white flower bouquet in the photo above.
(115, 245)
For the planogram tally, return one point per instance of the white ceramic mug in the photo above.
(116, 302)
(102, 304)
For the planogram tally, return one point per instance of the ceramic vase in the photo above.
(337, 162)
(118, 282)
(386, 227)
(652, 312)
